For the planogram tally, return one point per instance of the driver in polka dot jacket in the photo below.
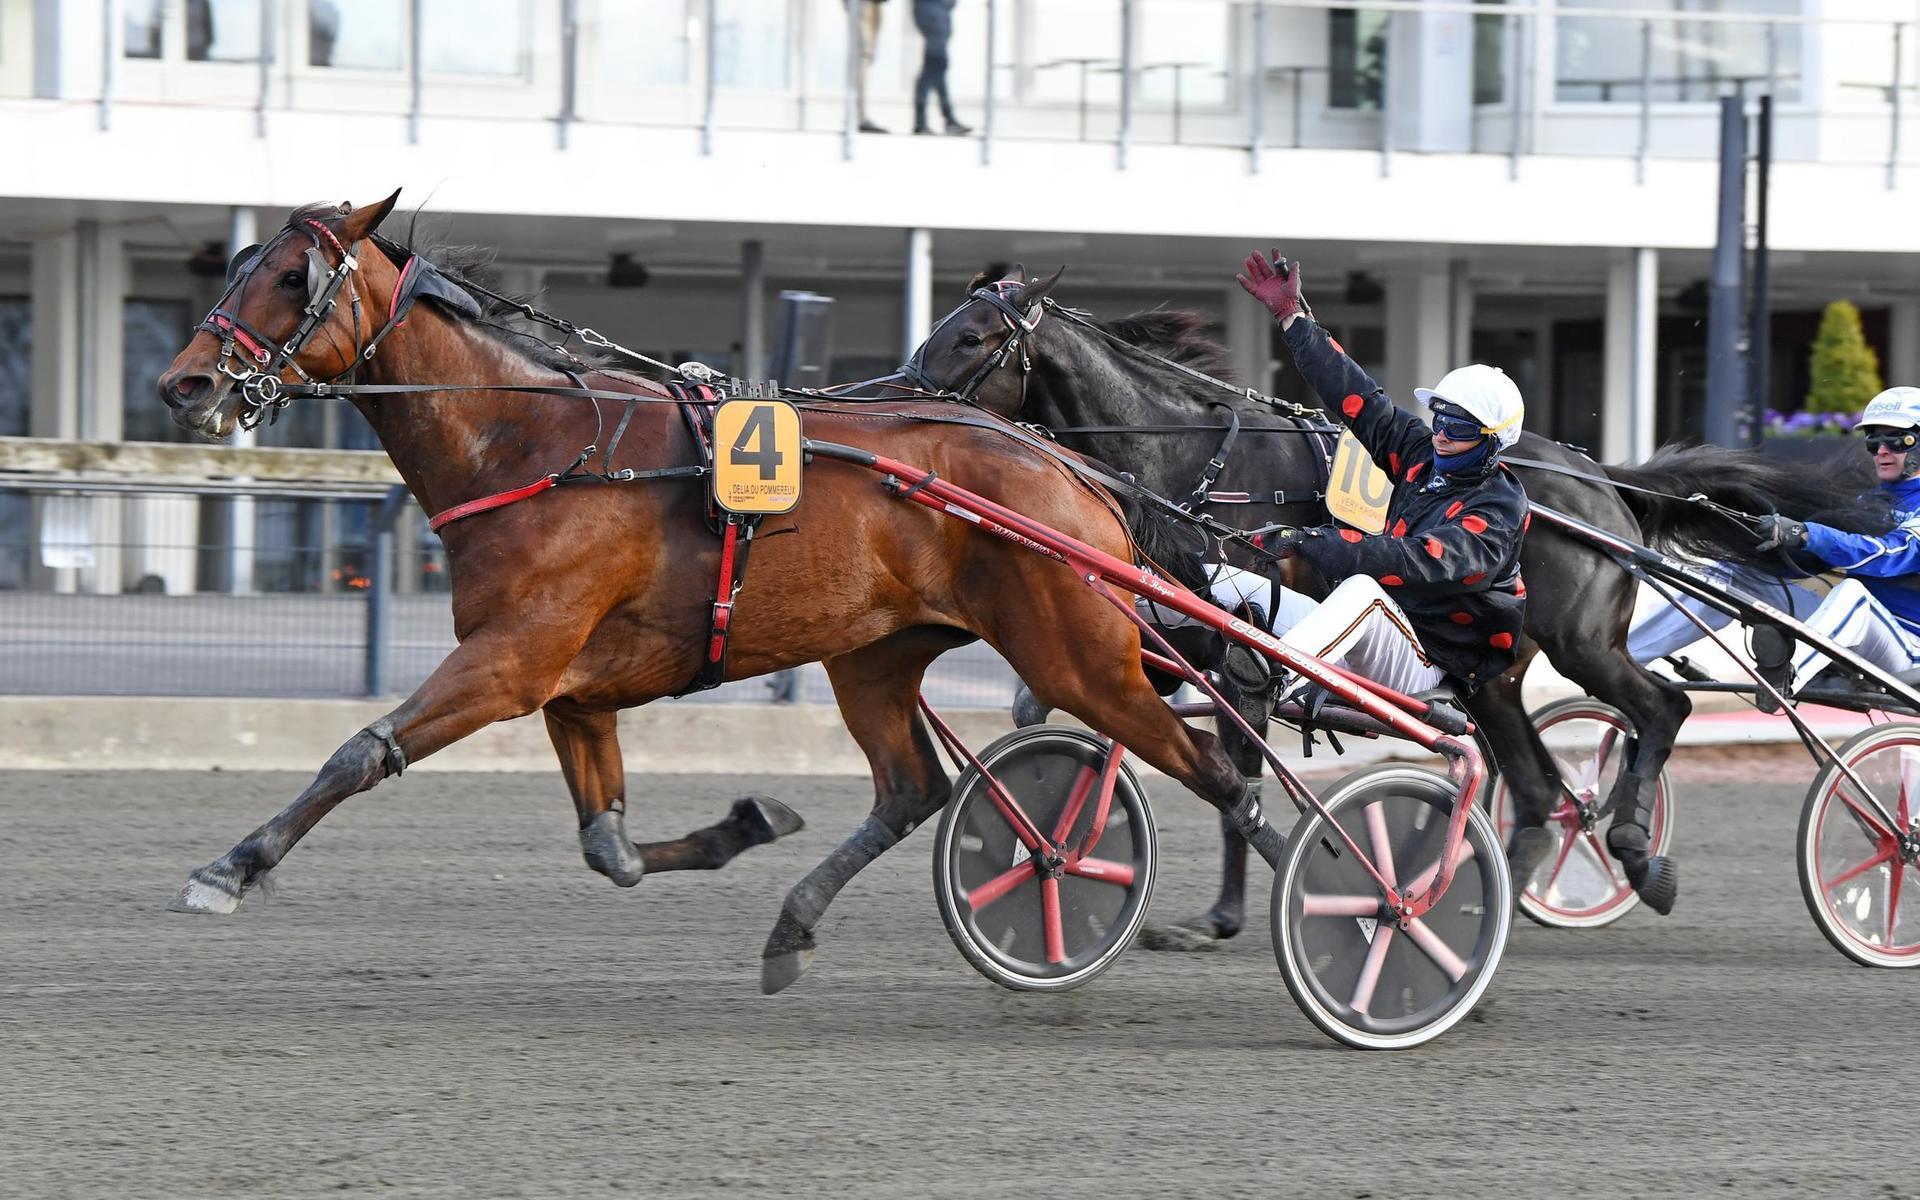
(1439, 592)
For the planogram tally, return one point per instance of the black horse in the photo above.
(1011, 351)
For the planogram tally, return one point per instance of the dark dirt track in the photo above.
(442, 1000)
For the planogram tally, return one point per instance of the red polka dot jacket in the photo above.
(1450, 556)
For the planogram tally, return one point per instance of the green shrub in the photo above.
(1845, 370)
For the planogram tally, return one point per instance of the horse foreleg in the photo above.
(482, 681)
(588, 745)
(878, 690)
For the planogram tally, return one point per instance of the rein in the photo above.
(263, 392)
(1746, 520)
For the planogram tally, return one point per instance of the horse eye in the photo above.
(970, 340)
(293, 281)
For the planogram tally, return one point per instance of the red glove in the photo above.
(1275, 283)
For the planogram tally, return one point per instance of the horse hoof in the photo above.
(206, 893)
(1526, 850)
(1659, 885)
(780, 971)
(767, 818)
(1180, 937)
(1028, 711)
(608, 850)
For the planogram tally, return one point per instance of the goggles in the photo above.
(1458, 427)
(1896, 441)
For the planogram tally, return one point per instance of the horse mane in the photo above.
(1179, 334)
(503, 322)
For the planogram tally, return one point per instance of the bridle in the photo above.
(256, 361)
(1020, 325)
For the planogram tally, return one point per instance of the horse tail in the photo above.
(1838, 493)
(1175, 546)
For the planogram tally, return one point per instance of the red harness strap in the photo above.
(489, 503)
(723, 601)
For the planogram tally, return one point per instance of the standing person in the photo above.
(868, 12)
(935, 20)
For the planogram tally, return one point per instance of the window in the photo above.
(16, 365)
(365, 35)
(143, 28)
(640, 43)
(153, 333)
(751, 44)
(1356, 58)
(1600, 58)
(474, 37)
(1489, 58)
(223, 30)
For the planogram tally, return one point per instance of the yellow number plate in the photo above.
(1358, 492)
(756, 456)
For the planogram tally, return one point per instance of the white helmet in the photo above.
(1898, 407)
(1484, 393)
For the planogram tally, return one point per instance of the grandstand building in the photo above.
(1531, 185)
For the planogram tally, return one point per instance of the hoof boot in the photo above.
(1526, 850)
(1657, 880)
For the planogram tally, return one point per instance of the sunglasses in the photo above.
(1457, 428)
(1897, 443)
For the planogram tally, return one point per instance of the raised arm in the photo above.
(1395, 438)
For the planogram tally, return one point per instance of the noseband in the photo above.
(256, 361)
(1019, 324)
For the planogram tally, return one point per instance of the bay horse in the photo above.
(1068, 372)
(584, 600)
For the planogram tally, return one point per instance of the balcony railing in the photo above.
(1245, 75)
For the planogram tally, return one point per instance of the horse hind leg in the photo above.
(1228, 915)
(878, 690)
(588, 745)
(1526, 768)
(1656, 709)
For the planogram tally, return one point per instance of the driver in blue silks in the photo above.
(1874, 612)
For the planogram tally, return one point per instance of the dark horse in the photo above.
(588, 599)
(1069, 372)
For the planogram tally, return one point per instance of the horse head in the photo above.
(982, 350)
(296, 310)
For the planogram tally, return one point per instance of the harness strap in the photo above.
(736, 539)
(489, 503)
(1210, 474)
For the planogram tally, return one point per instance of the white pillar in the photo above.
(1459, 314)
(1903, 343)
(243, 230)
(1646, 347)
(1418, 324)
(917, 305)
(1249, 339)
(753, 310)
(1632, 309)
(79, 282)
(100, 392)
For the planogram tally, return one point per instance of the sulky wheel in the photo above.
(1579, 885)
(1053, 921)
(1365, 980)
(1857, 872)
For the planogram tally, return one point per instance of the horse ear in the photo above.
(1033, 293)
(365, 219)
(980, 279)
